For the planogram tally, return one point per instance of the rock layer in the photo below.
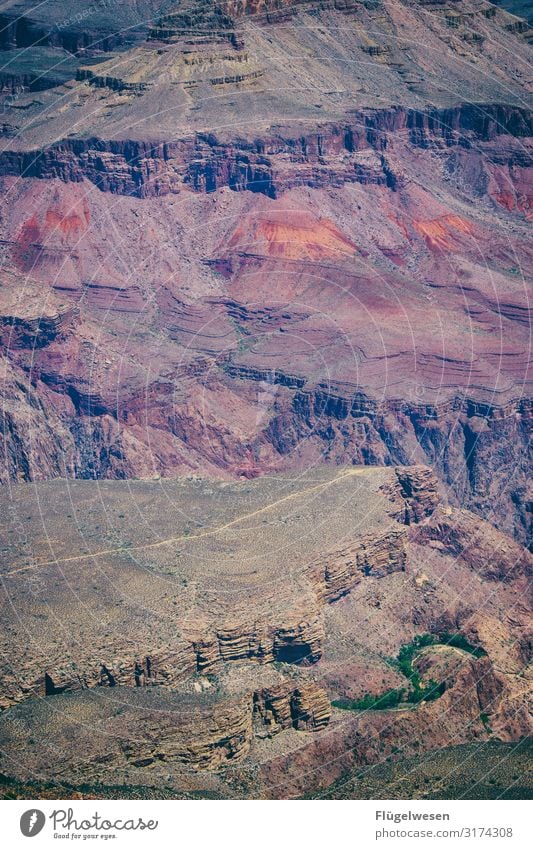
(271, 166)
(210, 265)
(210, 630)
(153, 634)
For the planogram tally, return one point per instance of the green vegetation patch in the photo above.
(416, 691)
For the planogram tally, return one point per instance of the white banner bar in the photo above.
(267, 825)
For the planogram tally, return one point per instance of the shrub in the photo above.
(459, 641)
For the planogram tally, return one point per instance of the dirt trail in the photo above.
(189, 538)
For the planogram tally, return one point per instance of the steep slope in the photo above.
(127, 613)
(520, 8)
(263, 238)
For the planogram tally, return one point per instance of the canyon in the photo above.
(265, 336)
(146, 651)
(350, 286)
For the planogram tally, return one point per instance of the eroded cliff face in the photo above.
(285, 624)
(267, 334)
(78, 28)
(259, 277)
(373, 737)
(201, 732)
(327, 157)
(199, 689)
(253, 238)
(481, 453)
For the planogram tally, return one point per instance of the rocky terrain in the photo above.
(144, 649)
(250, 238)
(265, 336)
(520, 8)
(470, 771)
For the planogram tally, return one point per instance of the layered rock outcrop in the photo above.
(272, 165)
(309, 286)
(305, 708)
(373, 555)
(212, 266)
(232, 393)
(248, 710)
(211, 630)
(491, 555)
(201, 733)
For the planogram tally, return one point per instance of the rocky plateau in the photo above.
(145, 650)
(265, 346)
(341, 277)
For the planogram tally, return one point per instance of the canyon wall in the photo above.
(275, 164)
(222, 269)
